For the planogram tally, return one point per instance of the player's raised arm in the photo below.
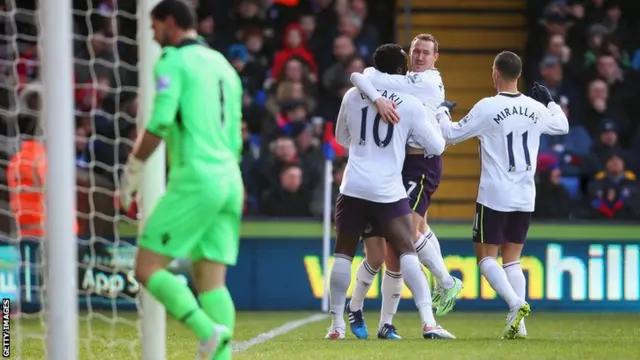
(553, 121)
(343, 137)
(418, 84)
(364, 84)
(385, 107)
(470, 126)
(426, 132)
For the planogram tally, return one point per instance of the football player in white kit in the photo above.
(372, 194)
(508, 126)
(421, 176)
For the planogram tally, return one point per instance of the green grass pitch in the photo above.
(551, 336)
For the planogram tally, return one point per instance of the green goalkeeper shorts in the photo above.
(199, 225)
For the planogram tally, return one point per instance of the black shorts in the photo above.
(421, 177)
(497, 227)
(354, 215)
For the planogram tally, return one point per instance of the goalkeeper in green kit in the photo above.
(197, 110)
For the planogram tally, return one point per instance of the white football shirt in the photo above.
(377, 149)
(426, 86)
(509, 128)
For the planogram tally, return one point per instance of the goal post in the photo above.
(61, 244)
(75, 295)
(153, 341)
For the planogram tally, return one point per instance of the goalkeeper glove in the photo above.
(541, 94)
(130, 181)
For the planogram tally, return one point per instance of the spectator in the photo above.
(256, 116)
(83, 131)
(247, 16)
(288, 198)
(622, 86)
(614, 192)
(251, 72)
(296, 71)
(364, 38)
(613, 46)
(598, 108)
(343, 49)
(354, 64)
(294, 44)
(317, 200)
(613, 21)
(293, 112)
(250, 206)
(254, 41)
(287, 91)
(636, 151)
(27, 67)
(606, 144)
(551, 70)
(309, 152)
(283, 152)
(575, 39)
(553, 201)
(326, 17)
(595, 42)
(558, 49)
(608, 69)
(317, 42)
(595, 11)
(250, 157)
(207, 29)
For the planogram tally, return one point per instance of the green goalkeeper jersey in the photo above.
(198, 111)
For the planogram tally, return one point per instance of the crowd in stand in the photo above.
(294, 62)
(295, 58)
(588, 54)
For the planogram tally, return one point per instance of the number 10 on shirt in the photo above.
(376, 130)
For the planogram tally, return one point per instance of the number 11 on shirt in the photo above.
(525, 147)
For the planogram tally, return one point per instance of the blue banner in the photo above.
(10, 273)
(288, 275)
(566, 276)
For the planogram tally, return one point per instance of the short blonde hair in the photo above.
(426, 37)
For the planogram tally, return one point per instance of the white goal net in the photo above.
(106, 101)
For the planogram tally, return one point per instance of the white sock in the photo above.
(431, 258)
(516, 278)
(391, 292)
(433, 240)
(364, 278)
(419, 286)
(338, 286)
(498, 280)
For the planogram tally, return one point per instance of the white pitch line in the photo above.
(280, 330)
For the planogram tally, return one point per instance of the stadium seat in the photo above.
(465, 165)
(458, 188)
(435, 19)
(478, 39)
(572, 184)
(452, 210)
(466, 4)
